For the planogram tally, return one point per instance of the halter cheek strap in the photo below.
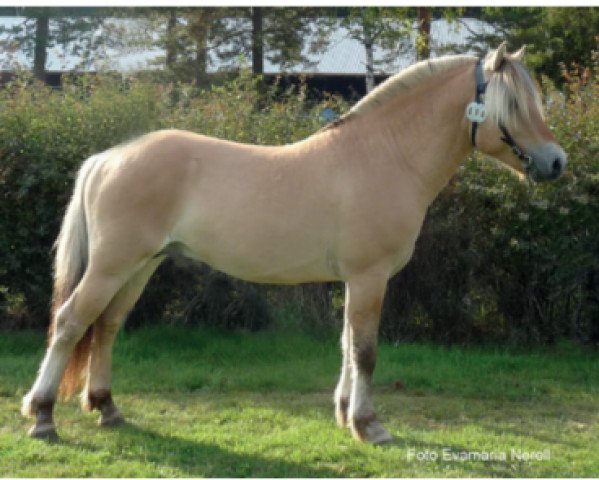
(476, 112)
(525, 158)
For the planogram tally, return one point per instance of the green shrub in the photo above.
(498, 259)
(46, 134)
(44, 137)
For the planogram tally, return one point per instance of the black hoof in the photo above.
(113, 420)
(44, 432)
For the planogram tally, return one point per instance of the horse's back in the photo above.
(256, 212)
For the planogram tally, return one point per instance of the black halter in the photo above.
(481, 88)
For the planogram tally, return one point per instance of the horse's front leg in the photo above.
(364, 299)
(343, 389)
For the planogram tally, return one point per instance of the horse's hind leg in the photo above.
(81, 310)
(97, 392)
(363, 308)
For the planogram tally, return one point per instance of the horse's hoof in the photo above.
(44, 432)
(114, 419)
(371, 430)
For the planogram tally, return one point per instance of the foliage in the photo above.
(555, 36)
(77, 31)
(498, 259)
(205, 403)
(520, 261)
(46, 134)
(384, 27)
(192, 37)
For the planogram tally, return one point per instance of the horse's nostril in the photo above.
(557, 165)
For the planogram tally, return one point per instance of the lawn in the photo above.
(210, 404)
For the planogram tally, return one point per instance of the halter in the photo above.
(476, 112)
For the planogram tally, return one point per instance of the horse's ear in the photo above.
(519, 55)
(498, 56)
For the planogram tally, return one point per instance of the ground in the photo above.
(204, 403)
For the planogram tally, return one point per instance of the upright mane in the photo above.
(507, 93)
(401, 82)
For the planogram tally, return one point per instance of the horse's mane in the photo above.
(401, 82)
(508, 87)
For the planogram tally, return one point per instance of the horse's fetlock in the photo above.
(359, 425)
(367, 428)
(341, 408)
(98, 399)
(33, 407)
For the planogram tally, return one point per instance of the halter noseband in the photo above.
(476, 113)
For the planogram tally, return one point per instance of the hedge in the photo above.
(499, 259)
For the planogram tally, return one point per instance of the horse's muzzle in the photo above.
(548, 162)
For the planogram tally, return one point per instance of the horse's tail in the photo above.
(69, 266)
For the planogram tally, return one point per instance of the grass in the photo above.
(211, 404)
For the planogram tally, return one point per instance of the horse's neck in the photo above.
(424, 131)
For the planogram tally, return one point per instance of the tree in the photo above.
(42, 29)
(423, 40)
(384, 27)
(77, 30)
(257, 40)
(555, 36)
(192, 37)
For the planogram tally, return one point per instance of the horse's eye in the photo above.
(513, 106)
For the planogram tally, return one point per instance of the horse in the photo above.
(345, 204)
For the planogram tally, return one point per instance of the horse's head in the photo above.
(511, 126)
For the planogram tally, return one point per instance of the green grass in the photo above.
(210, 404)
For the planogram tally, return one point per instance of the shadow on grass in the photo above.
(196, 458)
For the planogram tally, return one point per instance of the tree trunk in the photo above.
(423, 42)
(369, 47)
(199, 32)
(171, 39)
(40, 48)
(257, 41)
(258, 55)
(369, 67)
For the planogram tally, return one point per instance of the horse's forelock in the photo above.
(508, 87)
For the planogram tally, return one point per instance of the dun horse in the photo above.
(345, 204)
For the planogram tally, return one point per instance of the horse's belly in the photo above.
(264, 267)
(261, 256)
